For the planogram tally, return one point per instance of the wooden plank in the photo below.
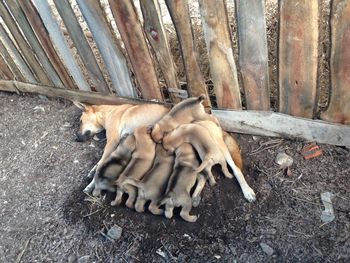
(155, 32)
(131, 32)
(60, 43)
(80, 42)
(222, 64)
(298, 51)
(43, 36)
(180, 16)
(10, 62)
(5, 70)
(339, 106)
(17, 57)
(73, 95)
(282, 125)
(26, 29)
(253, 56)
(112, 56)
(27, 52)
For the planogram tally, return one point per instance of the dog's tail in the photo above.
(204, 164)
(234, 149)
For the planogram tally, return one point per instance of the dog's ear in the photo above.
(80, 105)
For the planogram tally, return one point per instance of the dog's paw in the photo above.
(196, 200)
(249, 194)
(87, 190)
(116, 202)
(189, 218)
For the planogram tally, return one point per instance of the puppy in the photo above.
(140, 163)
(182, 179)
(154, 183)
(186, 111)
(210, 151)
(109, 171)
(117, 121)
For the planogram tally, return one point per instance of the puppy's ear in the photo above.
(80, 105)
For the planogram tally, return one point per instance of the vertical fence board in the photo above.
(155, 32)
(5, 70)
(22, 21)
(27, 52)
(12, 65)
(253, 57)
(11, 48)
(339, 105)
(60, 43)
(80, 42)
(42, 34)
(298, 50)
(180, 15)
(112, 56)
(222, 64)
(134, 40)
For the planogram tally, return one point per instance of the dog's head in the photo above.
(89, 124)
(103, 183)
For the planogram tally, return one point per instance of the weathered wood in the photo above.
(253, 56)
(80, 42)
(298, 51)
(156, 35)
(112, 56)
(222, 64)
(60, 43)
(27, 52)
(43, 36)
(73, 95)
(131, 32)
(10, 62)
(281, 125)
(23, 23)
(5, 70)
(180, 16)
(339, 106)
(12, 49)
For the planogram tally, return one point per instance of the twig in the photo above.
(20, 255)
(90, 214)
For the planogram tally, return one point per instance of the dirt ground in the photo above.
(45, 217)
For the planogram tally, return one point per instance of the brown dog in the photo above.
(109, 171)
(117, 121)
(141, 162)
(154, 183)
(184, 112)
(210, 151)
(181, 181)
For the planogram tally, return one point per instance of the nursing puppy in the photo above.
(182, 179)
(186, 111)
(154, 183)
(209, 151)
(110, 170)
(117, 121)
(140, 163)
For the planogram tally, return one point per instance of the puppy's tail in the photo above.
(204, 164)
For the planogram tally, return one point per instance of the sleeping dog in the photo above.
(210, 150)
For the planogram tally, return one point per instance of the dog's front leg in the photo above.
(196, 197)
(90, 187)
(186, 209)
(132, 192)
(118, 198)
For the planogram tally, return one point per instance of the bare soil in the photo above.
(45, 217)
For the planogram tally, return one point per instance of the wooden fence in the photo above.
(34, 49)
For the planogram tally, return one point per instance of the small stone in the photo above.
(115, 232)
(217, 256)
(284, 160)
(267, 249)
(161, 253)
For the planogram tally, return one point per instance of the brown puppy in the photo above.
(154, 183)
(186, 111)
(113, 166)
(181, 181)
(117, 121)
(140, 163)
(210, 150)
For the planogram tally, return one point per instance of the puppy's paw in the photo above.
(116, 202)
(212, 182)
(87, 190)
(249, 194)
(196, 200)
(129, 204)
(189, 218)
(168, 214)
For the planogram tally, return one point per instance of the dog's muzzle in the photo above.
(83, 137)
